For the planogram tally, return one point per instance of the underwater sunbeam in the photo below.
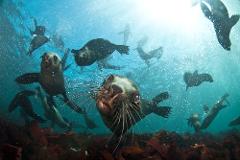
(173, 13)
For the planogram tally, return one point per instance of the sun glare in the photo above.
(173, 13)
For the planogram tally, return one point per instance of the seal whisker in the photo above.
(123, 121)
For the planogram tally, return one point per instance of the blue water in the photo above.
(188, 39)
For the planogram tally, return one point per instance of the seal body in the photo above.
(217, 13)
(51, 78)
(121, 106)
(195, 79)
(96, 50)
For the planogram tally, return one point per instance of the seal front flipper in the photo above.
(161, 97)
(235, 122)
(206, 11)
(233, 20)
(28, 78)
(162, 111)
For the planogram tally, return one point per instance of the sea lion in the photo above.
(147, 56)
(37, 42)
(22, 100)
(51, 77)
(194, 121)
(126, 33)
(235, 122)
(39, 30)
(218, 15)
(213, 112)
(121, 106)
(96, 50)
(195, 79)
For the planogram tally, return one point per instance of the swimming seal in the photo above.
(96, 50)
(51, 77)
(213, 112)
(121, 106)
(195, 79)
(218, 15)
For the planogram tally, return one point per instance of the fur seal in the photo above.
(213, 112)
(96, 50)
(37, 42)
(51, 77)
(218, 15)
(22, 100)
(194, 120)
(121, 106)
(195, 79)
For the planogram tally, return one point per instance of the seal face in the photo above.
(51, 75)
(118, 102)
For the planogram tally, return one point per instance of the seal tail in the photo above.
(162, 111)
(235, 122)
(122, 49)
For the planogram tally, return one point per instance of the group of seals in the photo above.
(121, 106)
(194, 120)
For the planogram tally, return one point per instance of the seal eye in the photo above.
(55, 58)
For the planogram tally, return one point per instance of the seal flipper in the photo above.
(104, 64)
(28, 78)
(205, 77)
(72, 105)
(14, 103)
(122, 49)
(233, 20)
(206, 11)
(161, 97)
(162, 111)
(235, 122)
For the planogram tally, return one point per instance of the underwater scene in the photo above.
(119, 80)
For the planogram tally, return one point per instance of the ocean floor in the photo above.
(34, 143)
